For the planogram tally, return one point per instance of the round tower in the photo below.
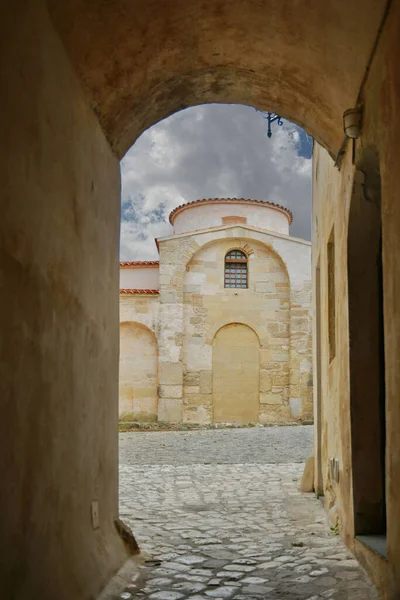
(216, 212)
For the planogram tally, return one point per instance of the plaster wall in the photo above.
(203, 216)
(140, 308)
(182, 53)
(59, 323)
(138, 375)
(138, 394)
(140, 278)
(333, 192)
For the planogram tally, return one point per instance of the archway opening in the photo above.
(91, 73)
(231, 312)
(367, 353)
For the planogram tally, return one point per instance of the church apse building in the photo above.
(219, 329)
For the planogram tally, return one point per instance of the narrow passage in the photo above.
(219, 514)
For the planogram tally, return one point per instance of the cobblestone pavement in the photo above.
(255, 445)
(216, 526)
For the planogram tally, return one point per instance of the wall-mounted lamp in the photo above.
(352, 122)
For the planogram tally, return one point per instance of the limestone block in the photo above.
(170, 391)
(296, 407)
(191, 378)
(265, 381)
(205, 382)
(280, 356)
(191, 389)
(270, 398)
(178, 339)
(165, 279)
(300, 324)
(170, 373)
(265, 287)
(280, 379)
(198, 414)
(170, 410)
(196, 320)
(273, 327)
(294, 377)
(198, 399)
(274, 414)
(265, 357)
(167, 297)
(307, 480)
(277, 389)
(191, 289)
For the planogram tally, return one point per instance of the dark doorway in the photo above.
(367, 354)
(318, 417)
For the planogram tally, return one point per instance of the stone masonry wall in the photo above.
(193, 306)
(194, 301)
(264, 307)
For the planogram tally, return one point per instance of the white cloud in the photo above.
(209, 151)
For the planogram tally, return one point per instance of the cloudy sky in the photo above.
(214, 150)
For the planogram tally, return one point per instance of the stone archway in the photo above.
(236, 375)
(90, 75)
(142, 61)
(138, 399)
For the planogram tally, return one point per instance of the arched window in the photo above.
(236, 269)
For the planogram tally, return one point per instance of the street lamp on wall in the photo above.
(271, 118)
(352, 122)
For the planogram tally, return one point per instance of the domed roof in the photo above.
(182, 207)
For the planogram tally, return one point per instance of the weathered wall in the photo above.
(304, 60)
(58, 322)
(333, 195)
(138, 372)
(141, 308)
(138, 394)
(264, 306)
(194, 304)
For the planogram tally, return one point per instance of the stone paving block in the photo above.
(221, 517)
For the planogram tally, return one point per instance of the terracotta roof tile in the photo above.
(139, 263)
(136, 291)
(229, 200)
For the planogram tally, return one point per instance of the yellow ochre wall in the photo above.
(188, 318)
(138, 373)
(236, 375)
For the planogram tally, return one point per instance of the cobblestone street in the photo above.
(219, 514)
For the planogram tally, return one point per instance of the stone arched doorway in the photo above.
(137, 373)
(236, 375)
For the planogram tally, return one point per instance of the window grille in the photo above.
(236, 269)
